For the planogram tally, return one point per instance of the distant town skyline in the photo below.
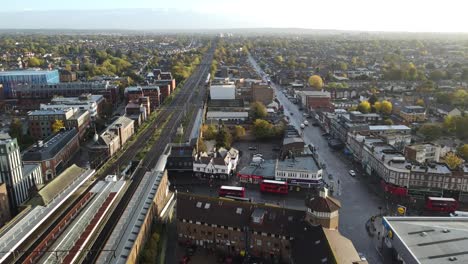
(362, 15)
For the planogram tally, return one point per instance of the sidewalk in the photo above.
(376, 231)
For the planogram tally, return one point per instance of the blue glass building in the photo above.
(10, 79)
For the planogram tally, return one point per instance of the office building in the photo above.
(11, 79)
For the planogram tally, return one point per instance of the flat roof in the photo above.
(389, 127)
(215, 114)
(26, 72)
(429, 240)
(306, 163)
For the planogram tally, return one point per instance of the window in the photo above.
(259, 242)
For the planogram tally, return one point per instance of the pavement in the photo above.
(358, 201)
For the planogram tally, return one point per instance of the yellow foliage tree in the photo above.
(57, 125)
(387, 107)
(452, 160)
(420, 102)
(316, 81)
(378, 107)
(364, 107)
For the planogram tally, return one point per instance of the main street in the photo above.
(358, 202)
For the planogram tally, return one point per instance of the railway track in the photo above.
(176, 108)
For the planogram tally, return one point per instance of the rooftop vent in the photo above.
(239, 210)
(199, 204)
(446, 231)
(207, 206)
(452, 258)
(423, 234)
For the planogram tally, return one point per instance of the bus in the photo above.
(231, 191)
(274, 186)
(441, 204)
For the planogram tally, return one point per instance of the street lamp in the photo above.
(380, 210)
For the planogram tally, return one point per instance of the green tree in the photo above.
(316, 81)
(452, 160)
(430, 131)
(258, 110)
(239, 132)
(57, 126)
(223, 138)
(262, 129)
(388, 122)
(387, 107)
(463, 151)
(364, 107)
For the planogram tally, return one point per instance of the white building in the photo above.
(221, 166)
(303, 171)
(85, 102)
(223, 92)
(234, 117)
(18, 178)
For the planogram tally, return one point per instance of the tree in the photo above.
(387, 107)
(34, 62)
(258, 110)
(279, 59)
(262, 129)
(364, 107)
(388, 122)
(316, 81)
(16, 129)
(239, 131)
(57, 125)
(377, 107)
(430, 131)
(223, 138)
(437, 75)
(209, 132)
(452, 160)
(373, 99)
(420, 102)
(463, 151)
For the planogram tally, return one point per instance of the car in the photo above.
(252, 148)
(362, 256)
(352, 173)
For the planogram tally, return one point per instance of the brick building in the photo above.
(111, 140)
(67, 76)
(315, 101)
(53, 154)
(268, 232)
(5, 214)
(262, 93)
(134, 93)
(40, 121)
(413, 113)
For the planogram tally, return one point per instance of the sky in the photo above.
(365, 15)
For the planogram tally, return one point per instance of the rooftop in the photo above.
(306, 163)
(388, 127)
(430, 240)
(48, 149)
(26, 72)
(266, 169)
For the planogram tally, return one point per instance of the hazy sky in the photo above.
(375, 15)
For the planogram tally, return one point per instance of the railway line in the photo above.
(176, 108)
(171, 114)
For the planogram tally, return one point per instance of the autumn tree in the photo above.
(34, 62)
(316, 81)
(377, 107)
(386, 107)
(239, 132)
(258, 110)
(463, 151)
(420, 102)
(57, 126)
(262, 129)
(223, 138)
(209, 132)
(364, 107)
(452, 160)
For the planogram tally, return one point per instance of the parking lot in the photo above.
(268, 150)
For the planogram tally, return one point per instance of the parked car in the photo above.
(352, 173)
(302, 126)
(362, 256)
(306, 123)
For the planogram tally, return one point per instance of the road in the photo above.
(358, 202)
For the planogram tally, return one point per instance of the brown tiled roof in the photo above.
(219, 161)
(278, 221)
(321, 204)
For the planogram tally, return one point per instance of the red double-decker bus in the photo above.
(231, 191)
(441, 204)
(274, 186)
